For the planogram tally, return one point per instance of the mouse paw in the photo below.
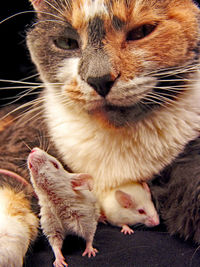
(90, 251)
(60, 262)
(126, 230)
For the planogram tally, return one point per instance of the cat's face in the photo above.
(118, 60)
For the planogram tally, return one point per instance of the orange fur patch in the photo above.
(169, 45)
(166, 47)
(5, 122)
(19, 206)
(74, 93)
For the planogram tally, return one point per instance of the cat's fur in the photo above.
(177, 194)
(121, 97)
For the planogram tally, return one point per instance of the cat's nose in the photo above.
(101, 85)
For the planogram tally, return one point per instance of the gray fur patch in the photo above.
(94, 63)
(96, 31)
(117, 23)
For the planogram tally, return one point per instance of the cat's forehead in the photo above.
(116, 12)
(91, 8)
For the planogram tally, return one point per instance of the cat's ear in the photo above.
(37, 4)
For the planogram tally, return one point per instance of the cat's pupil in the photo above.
(66, 43)
(140, 32)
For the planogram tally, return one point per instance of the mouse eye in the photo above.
(55, 164)
(141, 211)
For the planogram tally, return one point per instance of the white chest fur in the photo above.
(116, 156)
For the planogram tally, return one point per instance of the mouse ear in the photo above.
(146, 187)
(124, 199)
(82, 181)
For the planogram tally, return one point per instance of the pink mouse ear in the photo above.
(124, 199)
(82, 181)
(146, 187)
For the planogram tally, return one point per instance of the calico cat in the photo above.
(120, 100)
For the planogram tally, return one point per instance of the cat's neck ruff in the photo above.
(114, 156)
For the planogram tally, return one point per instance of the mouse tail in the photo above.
(18, 226)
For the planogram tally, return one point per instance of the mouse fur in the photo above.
(67, 204)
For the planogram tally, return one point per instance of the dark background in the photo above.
(15, 63)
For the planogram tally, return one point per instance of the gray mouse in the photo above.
(67, 204)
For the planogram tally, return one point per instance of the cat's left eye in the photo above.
(140, 32)
(66, 43)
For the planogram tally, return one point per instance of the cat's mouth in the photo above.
(120, 116)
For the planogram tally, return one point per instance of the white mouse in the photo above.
(128, 205)
(66, 201)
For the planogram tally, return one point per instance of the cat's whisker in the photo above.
(63, 4)
(16, 98)
(68, 4)
(26, 145)
(30, 77)
(24, 107)
(52, 15)
(196, 250)
(175, 97)
(15, 110)
(176, 87)
(17, 14)
(14, 87)
(23, 94)
(161, 97)
(172, 71)
(154, 99)
(25, 84)
(43, 141)
(28, 119)
(47, 144)
(31, 11)
(49, 20)
(21, 82)
(55, 8)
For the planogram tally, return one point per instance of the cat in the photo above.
(176, 194)
(120, 99)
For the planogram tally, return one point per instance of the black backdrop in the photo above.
(15, 63)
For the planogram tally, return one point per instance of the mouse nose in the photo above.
(102, 85)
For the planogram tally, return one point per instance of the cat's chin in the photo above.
(121, 116)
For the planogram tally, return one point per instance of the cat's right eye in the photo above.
(66, 43)
(140, 32)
